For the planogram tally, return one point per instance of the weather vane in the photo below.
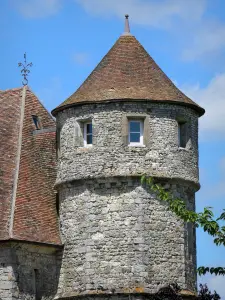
(25, 71)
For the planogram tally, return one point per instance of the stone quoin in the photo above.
(116, 240)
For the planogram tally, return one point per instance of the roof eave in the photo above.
(17, 240)
(197, 108)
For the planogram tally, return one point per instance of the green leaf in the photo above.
(143, 179)
(221, 217)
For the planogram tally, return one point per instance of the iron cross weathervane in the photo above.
(25, 71)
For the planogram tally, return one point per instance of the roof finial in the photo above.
(127, 26)
(25, 71)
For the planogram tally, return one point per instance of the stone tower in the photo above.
(126, 119)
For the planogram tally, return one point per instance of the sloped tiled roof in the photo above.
(28, 200)
(10, 108)
(128, 72)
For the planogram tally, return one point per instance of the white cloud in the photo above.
(161, 14)
(219, 188)
(208, 39)
(212, 98)
(80, 58)
(36, 8)
(216, 189)
(216, 283)
(198, 34)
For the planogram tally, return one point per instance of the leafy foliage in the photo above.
(204, 219)
(169, 292)
(172, 292)
(205, 294)
(215, 271)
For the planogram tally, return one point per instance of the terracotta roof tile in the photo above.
(10, 104)
(127, 72)
(34, 214)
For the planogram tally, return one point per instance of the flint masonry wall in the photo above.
(6, 273)
(111, 155)
(28, 271)
(118, 237)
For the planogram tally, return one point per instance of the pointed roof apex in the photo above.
(128, 72)
(127, 26)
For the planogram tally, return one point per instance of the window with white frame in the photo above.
(88, 134)
(135, 132)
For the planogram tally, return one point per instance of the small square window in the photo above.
(182, 134)
(88, 134)
(135, 132)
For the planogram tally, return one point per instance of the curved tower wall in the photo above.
(118, 237)
(111, 156)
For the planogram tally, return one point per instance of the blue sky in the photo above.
(65, 39)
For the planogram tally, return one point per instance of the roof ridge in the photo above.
(10, 115)
(33, 94)
(31, 160)
(17, 164)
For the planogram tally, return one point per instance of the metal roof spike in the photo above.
(127, 26)
(127, 64)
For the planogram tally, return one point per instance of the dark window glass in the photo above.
(89, 133)
(89, 139)
(135, 132)
(36, 121)
(89, 128)
(57, 203)
(58, 141)
(182, 134)
(37, 285)
(135, 137)
(135, 126)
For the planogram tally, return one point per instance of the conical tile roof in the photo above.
(128, 72)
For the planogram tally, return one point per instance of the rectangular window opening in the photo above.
(135, 132)
(182, 134)
(88, 134)
(37, 122)
(57, 203)
(58, 136)
(37, 284)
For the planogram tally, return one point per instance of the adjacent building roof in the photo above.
(127, 72)
(27, 169)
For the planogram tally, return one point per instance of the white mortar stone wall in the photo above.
(111, 155)
(119, 237)
(6, 273)
(17, 264)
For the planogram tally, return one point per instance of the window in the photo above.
(37, 285)
(37, 122)
(135, 132)
(88, 134)
(57, 203)
(182, 134)
(58, 131)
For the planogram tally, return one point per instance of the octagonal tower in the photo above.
(126, 119)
